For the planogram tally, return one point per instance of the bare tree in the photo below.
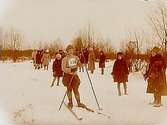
(159, 24)
(85, 37)
(13, 41)
(133, 51)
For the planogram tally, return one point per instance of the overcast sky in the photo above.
(50, 19)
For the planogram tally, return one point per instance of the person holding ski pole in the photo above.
(71, 81)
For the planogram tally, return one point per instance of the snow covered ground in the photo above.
(27, 99)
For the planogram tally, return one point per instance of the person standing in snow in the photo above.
(57, 69)
(120, 72)
(71, 81)
(91, 60)
(46, 59)
(38, 60)
(40, 57)
(81, 57)
(156, 77)
(102, 60)
(86, 55)
(34, 53)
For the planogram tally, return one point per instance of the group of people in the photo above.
(155, 75)
(66, 67)
(87, 60)
(41, 59)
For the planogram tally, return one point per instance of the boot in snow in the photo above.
(80, 104)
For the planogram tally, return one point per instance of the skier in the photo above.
(81, 57)
(102, 60)
(120, 72)
(57, 69)
(91, 60)
(46, 59)
(156, 77)
(70, 64)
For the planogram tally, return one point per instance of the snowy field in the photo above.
(27, 99)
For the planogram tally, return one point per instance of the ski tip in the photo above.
(80, 119)
(100, 109)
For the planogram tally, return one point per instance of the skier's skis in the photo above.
(88, 109)
(100, 113)
(95, 111)
(73, 113)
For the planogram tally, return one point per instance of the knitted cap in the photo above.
(69, 47)
(155, 49)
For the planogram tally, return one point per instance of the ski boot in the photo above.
(157, 105)
(70, 105)
(81, 104)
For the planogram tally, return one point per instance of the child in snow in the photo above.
(120, 73)
(156, 77)
(102, 60)
(70, 64)
(57, 69)
(46, 59)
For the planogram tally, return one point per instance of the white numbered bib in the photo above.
(72, 62)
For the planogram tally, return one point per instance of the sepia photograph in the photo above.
(83, 62)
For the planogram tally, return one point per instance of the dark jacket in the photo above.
(102, 60)
(86, 55)
(120, 71)
(57, 69)
(81, 57)
(38, 58)
(156, 75)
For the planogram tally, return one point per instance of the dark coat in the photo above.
(81, 57)
(86, 55)
(38, 58)
(120, 71)
(57, 69)
(156, 75)
(102, 60)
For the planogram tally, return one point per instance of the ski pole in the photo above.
(90, 81)
(92, 88)
(66, 92)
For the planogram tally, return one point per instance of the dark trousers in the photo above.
(102, 71)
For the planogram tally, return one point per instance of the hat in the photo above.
(119, 53)
(155, 49)
(69, 47)
(58, 55)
